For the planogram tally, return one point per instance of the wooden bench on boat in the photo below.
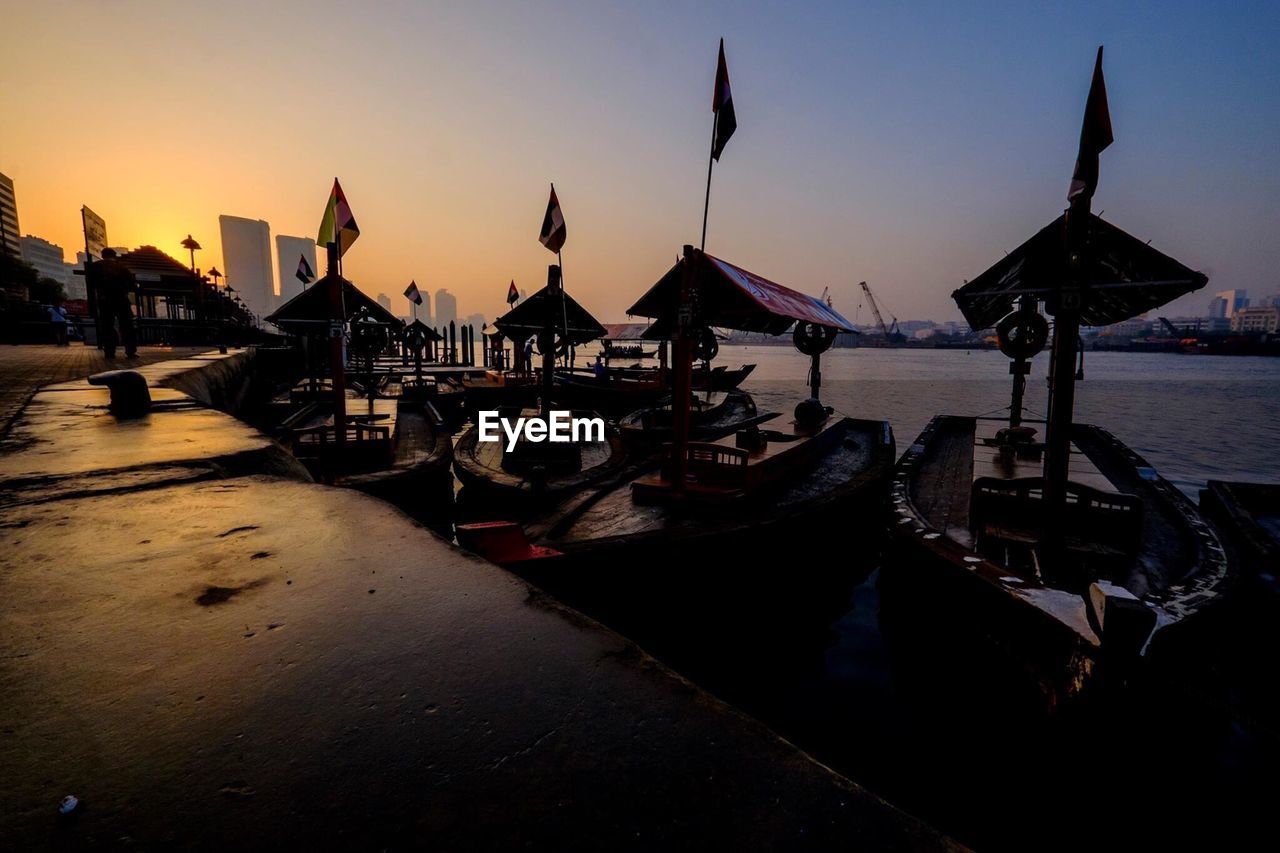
(723, 470)
(367, 437)
(1007, 496)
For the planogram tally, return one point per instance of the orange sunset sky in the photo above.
(876, 143)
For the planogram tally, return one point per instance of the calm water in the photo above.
(1156, 769)
(1193, 417)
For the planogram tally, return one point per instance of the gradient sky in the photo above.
(905, 144)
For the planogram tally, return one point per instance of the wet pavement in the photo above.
(207, 656)
(24, 368)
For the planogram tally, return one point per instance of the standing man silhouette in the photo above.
(114, 283)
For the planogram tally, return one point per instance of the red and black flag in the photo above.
(513, 295)
(553, 230)
(304, 273)
(1095, 135)
(412, 294)
(722, 106)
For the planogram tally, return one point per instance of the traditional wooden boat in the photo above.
(396, 450)
(1063, 550)
(1248, 517)
(711, 416)
(533, 473)
(712, 519)
(499, 389)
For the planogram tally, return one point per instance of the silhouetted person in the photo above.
(114, 283)
(58, 320)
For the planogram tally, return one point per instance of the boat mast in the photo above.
(1066, 303)
(336, 321)
(682, 370)
(548, 341)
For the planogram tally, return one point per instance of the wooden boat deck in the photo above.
(610, 512)
(1177, 566)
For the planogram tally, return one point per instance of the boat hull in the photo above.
(752, 561)
(949, 591)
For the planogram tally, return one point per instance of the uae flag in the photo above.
(553, 230)
(513, 295)
(304, 273)
(1095, 135)
(338, 225)
(722, 106)
(411, 293)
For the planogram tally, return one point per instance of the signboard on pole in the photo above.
(95, 233)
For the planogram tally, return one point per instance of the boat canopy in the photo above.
(429, 334)
(625, 331)
(529, 318)
(733, 298)
(1126, 277)
(309, 310)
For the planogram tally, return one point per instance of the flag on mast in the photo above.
(338, 225)
(412, 294)
(1095, 135)
(304, 273)
(722, 106)
(513, 295)
(553, 230)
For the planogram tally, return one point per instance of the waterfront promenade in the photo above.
(209, 650)
(25, 368)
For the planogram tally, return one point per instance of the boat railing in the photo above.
(1004, 508)
(361, 441)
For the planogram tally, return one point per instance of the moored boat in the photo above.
(734, 509)
(1053, 543)
(1248, 517)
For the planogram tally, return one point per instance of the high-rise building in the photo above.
(9, 218)
(446, 307)
(246, 261)
(46, 257)
(288, 251)
(1226, 303)
(385, 301)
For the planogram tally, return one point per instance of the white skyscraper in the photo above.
(46, 257)
(288, 251)
(246, 261)
(446, 307)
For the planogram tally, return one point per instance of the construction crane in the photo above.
(891, 335)
(1173, 330)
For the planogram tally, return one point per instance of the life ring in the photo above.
(1022, 333)
(813, 338)
(557, 344)
(705, 345)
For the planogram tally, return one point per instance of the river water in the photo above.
(1153, 770)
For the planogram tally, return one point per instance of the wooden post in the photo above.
(682, 379)
(338, 369)
(549, 339)
(1062, 378)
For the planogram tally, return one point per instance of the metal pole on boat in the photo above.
(711, 159)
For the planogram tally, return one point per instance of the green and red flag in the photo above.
(338, 225)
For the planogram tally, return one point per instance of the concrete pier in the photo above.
(208, 650)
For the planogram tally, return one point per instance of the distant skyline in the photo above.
(909, 145)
